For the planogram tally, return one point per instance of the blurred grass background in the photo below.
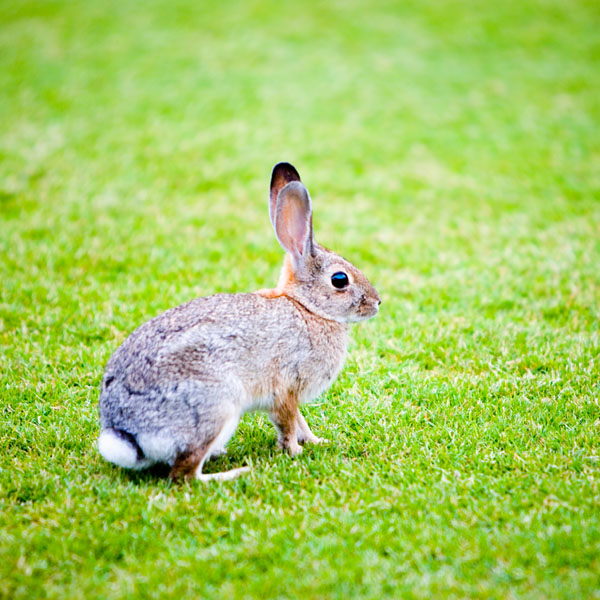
(452, 152)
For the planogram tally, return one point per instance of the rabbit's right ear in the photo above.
(293, 222)
(283, 173)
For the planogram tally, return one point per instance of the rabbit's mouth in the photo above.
(367, 309)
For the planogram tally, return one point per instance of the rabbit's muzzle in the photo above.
(368, 307)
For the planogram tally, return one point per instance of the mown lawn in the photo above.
(453, 153)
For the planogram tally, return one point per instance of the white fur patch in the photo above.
(158, 448)
(117, 450)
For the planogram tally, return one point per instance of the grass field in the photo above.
(452, 150)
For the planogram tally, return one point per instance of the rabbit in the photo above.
(175, 390)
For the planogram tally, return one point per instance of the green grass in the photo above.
(452, 151)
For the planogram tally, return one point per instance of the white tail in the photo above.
(118, 450)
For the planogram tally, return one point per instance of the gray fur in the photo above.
(179, 382)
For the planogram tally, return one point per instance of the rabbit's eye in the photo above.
(339, 280)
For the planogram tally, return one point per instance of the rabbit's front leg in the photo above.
(283, 416)
(304, 434)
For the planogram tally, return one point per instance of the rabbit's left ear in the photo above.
(293, 222)
(283, 173)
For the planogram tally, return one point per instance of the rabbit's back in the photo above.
(206, 332)
(258, 344)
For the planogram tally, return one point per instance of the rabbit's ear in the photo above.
(293, 221)
(282, 174)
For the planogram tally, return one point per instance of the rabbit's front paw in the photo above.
(291, 446)
(311, 438)
(294, 449)
(319, 441)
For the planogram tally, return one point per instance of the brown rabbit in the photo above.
(175, 390)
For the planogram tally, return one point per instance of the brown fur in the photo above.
(187, 462)
(190, 373)
(284, 413)
(286, 279)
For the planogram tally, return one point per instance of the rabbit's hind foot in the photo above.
(189, 463)
(223, 475)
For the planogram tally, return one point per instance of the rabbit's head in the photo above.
(320, 280)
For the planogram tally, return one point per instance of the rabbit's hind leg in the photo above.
(218, 447)
(189, 463)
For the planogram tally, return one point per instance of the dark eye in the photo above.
(339, 280)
